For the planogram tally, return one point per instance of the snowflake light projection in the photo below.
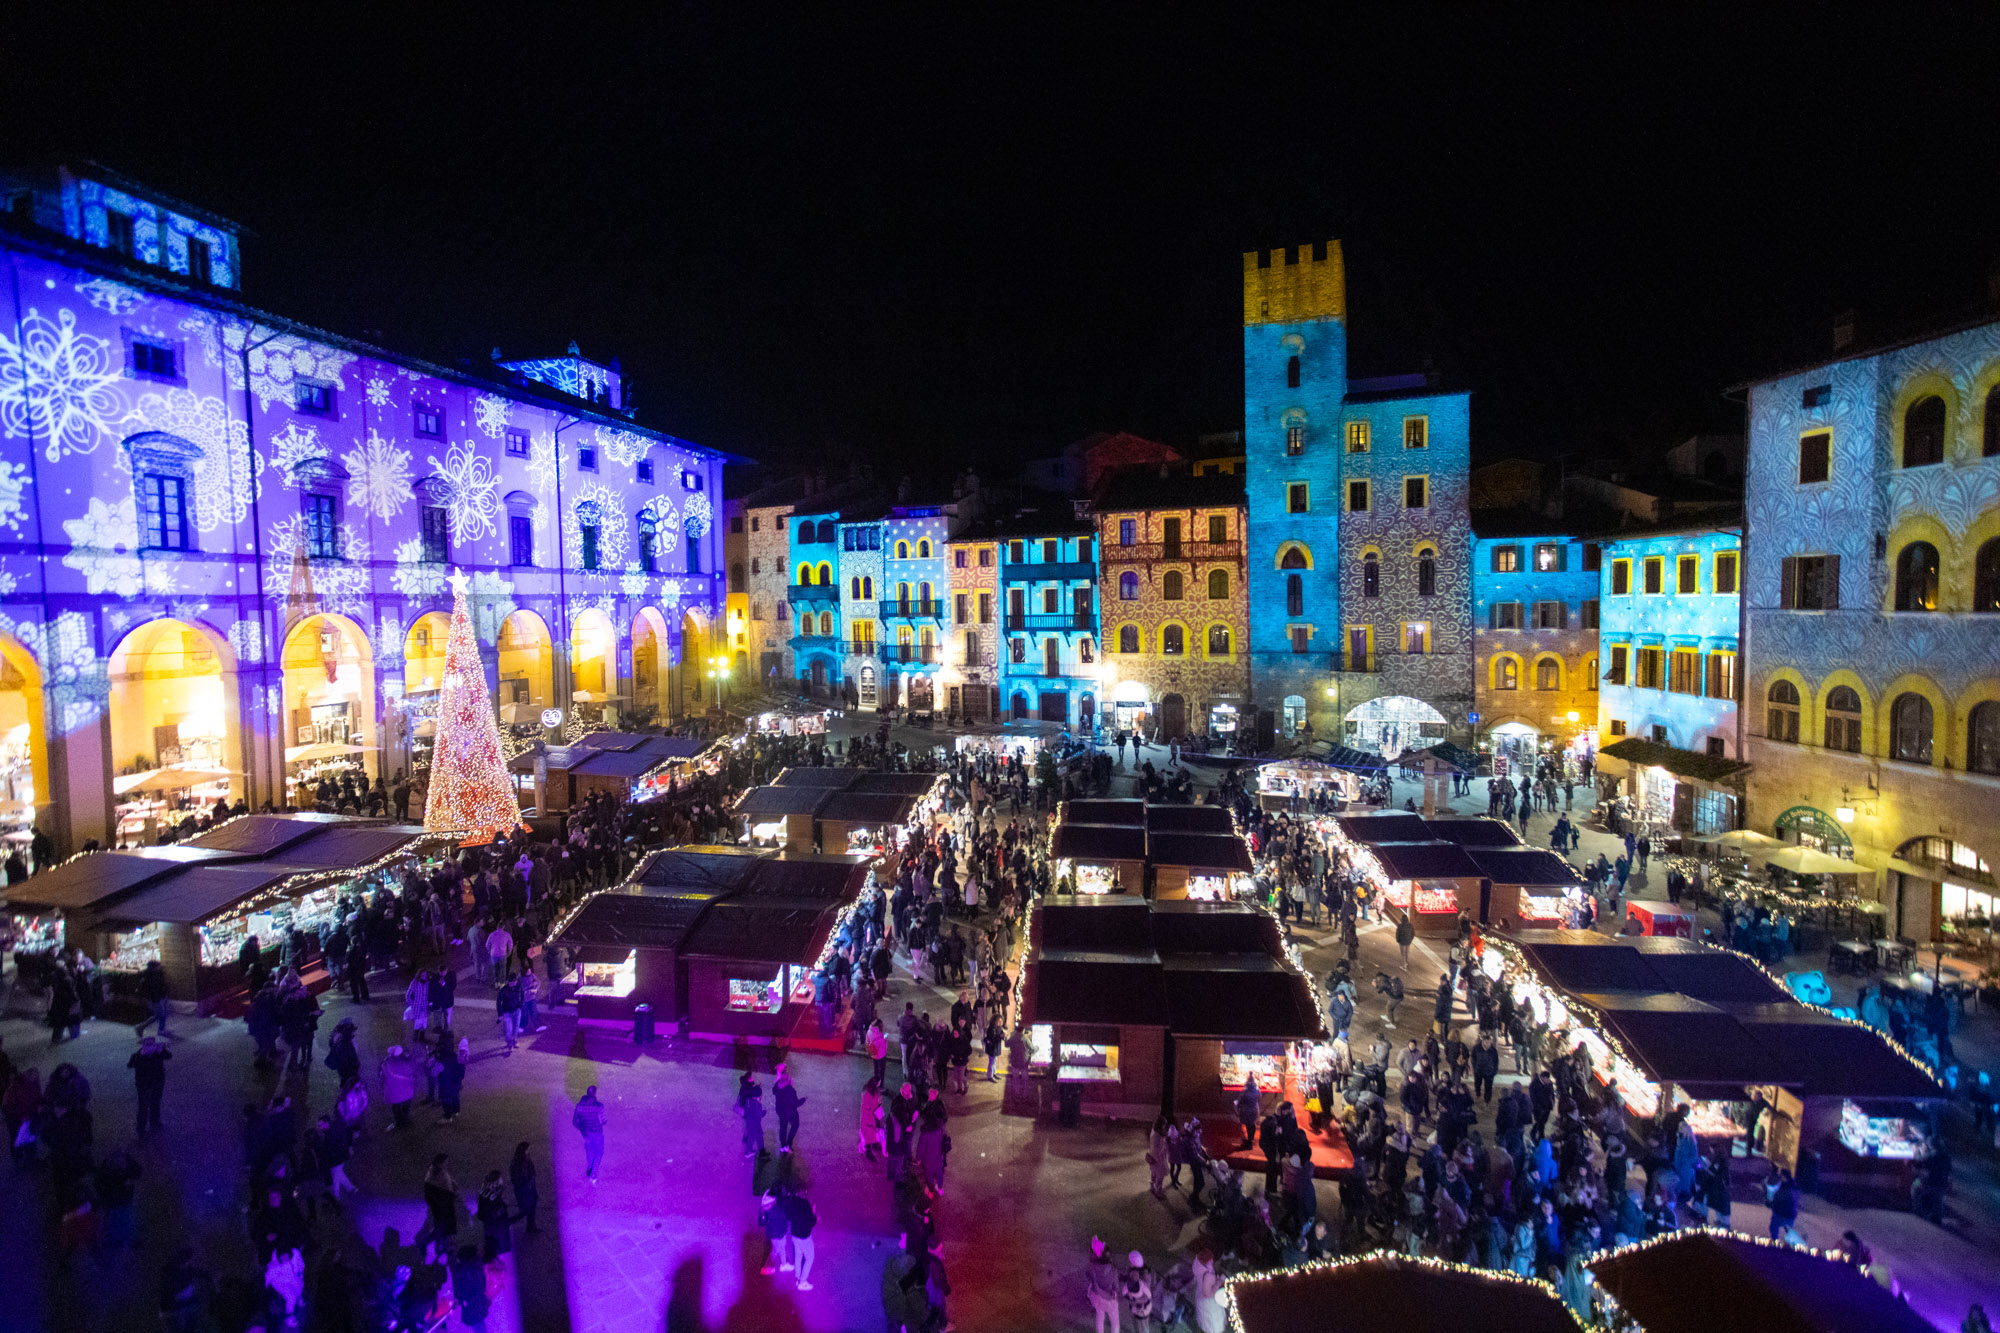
(59, 383)
(378, 477)
(472, 492)
(378, 392)
(14, 481)
(225, 476)
(670, 591)
(276, 362)
(489, 413)
(339, 585)
(295, 445)
(247, 638)
(413, 575)
(104, 548)
(78, 684)
(8, 583)
(613, 529)
(112, 297)
(666, 530)
(633, 581)
(623, 447)
(699, 516)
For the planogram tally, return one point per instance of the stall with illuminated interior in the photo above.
(1393, 1291)
(1209, 867)
(1432, 881)
(1524, 885)
(1096, 859)
(789, 719)
(1294, 784)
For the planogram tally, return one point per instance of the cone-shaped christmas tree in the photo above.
(470, 791)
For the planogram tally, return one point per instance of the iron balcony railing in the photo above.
(1028, 622)
(1142, 552)
(912, 608)
(1060, 571)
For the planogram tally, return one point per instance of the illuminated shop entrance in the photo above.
(649, 637)
(593, 655)
(423, 654)
(527, 662)
(1394, 725)
(1514, 745)
(24, 751)
(1295, 713)
(329, 719)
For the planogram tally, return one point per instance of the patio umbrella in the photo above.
(306, 754)
(1745, 837)
(1812, 861)
(174, 778)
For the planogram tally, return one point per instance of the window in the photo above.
(1659, 734)
(1218, 585)
(644, 474)
(1294, 558)
(119, 231)
(1781, 712)
(314, 398)
(1843, 719)
(1816, 395)
(1128, 531)
(756, 610)
(520, 540)
(517, 444)
(1503, 615)
(1652, 668)
(902, 550)
(1128, 638)
(1085, 652)
(1417, 636)
(756, 566)
(1548, 674)
(1017, 553)
(1982, 739)
(1416, 493)
(1357, 437)
(692, 481)
(1051, 551)
(1357, 497)
(1989, 432)
(1986, 577)
(434, 527)
(1815, 457)
(1295, 441)
(1295, 497)
(1655, 574)
(1684, 674)
(1427, 574)
(1551, 615)
(958, 558)
(1295, 595)
(924, 550)
(1017, 604)
(1717, 748)
(588, 543)
(985, 608)
(1550, 557)
(1416, 432)
(1128, 586)
(1589, 613)
(735, 577)
(985, 557)
(1923, 434)
(1506, 673)
(1218, 641)
(1621, 578)
(322, 516)
(1917, 577)
(1170, 538)
(1687, 574)
(429, 420)
(1593, 557)
(201, 264)
(586, 458)
(165, 499)
(961, 607)
(1301, 639)
(1506, 559)
(1051, 601)
(1017, 650)
(1371, 575)
(1590, 673)
(1291, 372)
(154, 361)
(1910, 726)
(1721, 679)
(1809, 583)
(1173, 641)
(1619, 653)
(1725, 573)
(1218, 529)
(1617, 726)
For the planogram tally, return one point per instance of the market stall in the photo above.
(1655, 918)
(1289, 785)
(1210, 867)
(1699, 1280)
(1021, 740)
(1381, 1291)
(1524, 884)
(1432, 881)
(790, 718)
(1099, 858)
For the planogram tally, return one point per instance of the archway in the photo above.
(1295, 713)
(423, 653)
(329, 720)
(1173, 718)
(593, 657)
(24, 749)
(693, 662)
(172, 702)
(527, 661)
(1394, 725)
(649, 638)
(1514, 746)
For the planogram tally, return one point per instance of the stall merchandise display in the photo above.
(1268, 1070)
(751, 996)
(1715, 1120)
(1435, 901)
(1896, 1138)
(1220, 888)
(1088, 1064)
(609, 980)
(1091, 878)
(131, 950)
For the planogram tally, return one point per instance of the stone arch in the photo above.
(1958, 740)
(1813, 703)
(1944, 720)
(1494, 673)
(526, 660)
(1561, 669)
(180, 673)
(1922, 384)
(1292, 555)
(593, 659)
(423, 652)
(1954, 591)
(330, 692)
(651, 649)
(24, 718)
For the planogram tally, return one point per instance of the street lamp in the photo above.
(718, 671)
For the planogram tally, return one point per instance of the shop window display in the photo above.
(1088, 1064)
(609, 980)
(1897, 1138)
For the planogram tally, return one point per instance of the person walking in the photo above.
(399, 1085)
(750, 1106)
(527, 1197)
(149, 1075)
(1101, 1285)
(336, 1146)
(777, 1224)
(589, 1121)
(786, 1100)
(153, 990)
(440, 1204)
(1159, 1155)
(869, 1141)
(495, 1222)
(1136, 1287)
(878, 1051)
(802, 1216)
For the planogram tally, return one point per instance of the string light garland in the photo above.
(471, 792)
(1611, 1315)
(1393, 1258)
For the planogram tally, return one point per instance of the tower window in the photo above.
(1357, 497)
(1416, 492)
(1296, 497)
(1295, 441)
(1292, 372)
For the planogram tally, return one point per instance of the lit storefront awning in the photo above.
(1681, 763)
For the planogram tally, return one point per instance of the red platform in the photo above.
(1331, 1157)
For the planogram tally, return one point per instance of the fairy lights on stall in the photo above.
(1389, 1258)
(1611, 1315)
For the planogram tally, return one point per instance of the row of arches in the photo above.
(1925, 424)
(1916, 725)
(1508, 671)
(1173, 585)
(1928, 581)
(1174, 639)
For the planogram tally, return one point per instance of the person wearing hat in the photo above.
(1102, 1279)
(1137, 1289)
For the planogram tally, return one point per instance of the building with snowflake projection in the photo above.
(227, 534)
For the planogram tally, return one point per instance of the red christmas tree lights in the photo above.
(471, 792)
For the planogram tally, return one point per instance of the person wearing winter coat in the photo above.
(399, 1085)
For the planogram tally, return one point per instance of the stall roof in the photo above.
(1385, 826)
(1523, 865)
(1361, 761)
(1077, 987)
(1679, 1040)
(794, 800)
(823, 778)
(1189, 819)
(1370, 1295)
(897, 784)
(1125, 814)
(1696, 1282)
(1191, 927)
(807, 876)
(350, 847)
(697, 869)
(1100, 842)
(1200, 851)
(1239, 995)
(265, 835)
(1497, 834)
(1112, 921)
(83, 881)
(868, 809)
(1584, 961)
(196, 893)
(617, 764)
(1425, 860)
(1834, 1057)
(624, 922)
(784, 930)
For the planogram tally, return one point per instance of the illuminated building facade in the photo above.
(972, 644)
(1873, 584)
(1049, 622)
(1535, 663)
(232, 532)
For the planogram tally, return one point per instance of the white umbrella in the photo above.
(173, 778)
(1745, 837)
(516, 714)
(1812, 861)
(306, 754)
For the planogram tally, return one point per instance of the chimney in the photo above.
(1843, 330)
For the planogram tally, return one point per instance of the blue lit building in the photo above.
(1535, 632)
(1049, 626)
(1360, 549)
(914, 603)
(814, 601)
(1669, 641)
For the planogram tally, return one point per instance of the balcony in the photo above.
(1061, 571)
(1145, 553)
(812, 592)
(913, 609)
(824, 642)
(1051, 621)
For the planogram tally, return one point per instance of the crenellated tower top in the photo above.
(1292, 286)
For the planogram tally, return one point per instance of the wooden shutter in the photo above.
(1788, 582)
(1562, 611)
(1832, 602)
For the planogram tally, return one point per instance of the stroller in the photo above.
(1173, 1299)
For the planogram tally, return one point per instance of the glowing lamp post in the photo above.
(718, 671)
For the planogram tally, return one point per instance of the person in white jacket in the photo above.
(1209, 1316)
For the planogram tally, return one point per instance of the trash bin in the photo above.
(1069, 1105)
(642, 1024)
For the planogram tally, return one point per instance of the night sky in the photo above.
(940, 236)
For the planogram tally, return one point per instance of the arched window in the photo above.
(1548, 674)
(1295, 595)
(805, 576)
(1128, 587)
(1291, 372)
(1086, 651)
(1218, 640)
(1294, 558)
(1781, 714)
(1982, 739)
(586, 526)
(1986, 577)
(826, 622)
(1173, 641)
(1427, 573)
(1506, 674)
(825, 573)
(1923, 432)
(1218, 585)
(902, 598)
(1371, 575)
(902, 550)
(1910, 728)
(827, 531)
(924, 549)
(1170, 586)
(1128, 638)
(924, 597)
(1590, 673)
(1917, 577)
(649, 545)
(1843, 719)
(854, 587)
(867, 587)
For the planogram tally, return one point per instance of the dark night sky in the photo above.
(947, 234)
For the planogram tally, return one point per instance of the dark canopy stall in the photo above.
(1126, 814)
(1395, 1295)
(1385, 826)
(1699, 1282)
(1470, 833)
(1214, 819)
